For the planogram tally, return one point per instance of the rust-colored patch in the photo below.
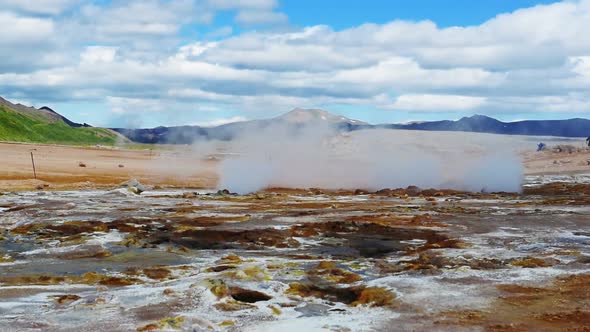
(230, 259)
(532, 262)
(558, 188)
(461, 318)
(90, 278)
(25, 229)
(330, 272)
(117, 281)
(220, 268)
(77, 227)
(149, 327)
(375, 297)
(64, 299)
(425, 220)
(32, 280)
(431, 262)
(561, 306)
(581, 316)
(157, 273)
(357, 295)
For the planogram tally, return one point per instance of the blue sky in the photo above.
(349, 13)
(172, 62)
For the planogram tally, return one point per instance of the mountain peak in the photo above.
(303, 115)
(46, 108)
(479, 117)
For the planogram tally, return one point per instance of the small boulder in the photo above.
(360, 192)
(189, 195)
(69, 206)
(413, 191)
(224, 192)
(133, 186)
(248, 296)
(384, 192)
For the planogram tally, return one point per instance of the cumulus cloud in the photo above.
(133, 56)
(26, 43)
(50, 7)
(98, 54)
(252, 4)
(20, 30)
(435, 103)
(219, 122)
(137, 20)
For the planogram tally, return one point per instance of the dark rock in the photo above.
(248, 296)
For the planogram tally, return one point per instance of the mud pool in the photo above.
(291, 260)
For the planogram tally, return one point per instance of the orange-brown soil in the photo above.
(59, 167)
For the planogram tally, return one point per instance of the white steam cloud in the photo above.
(318, 156)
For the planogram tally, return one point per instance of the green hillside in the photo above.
(17, 126)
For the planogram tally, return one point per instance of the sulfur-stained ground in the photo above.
(293, 260)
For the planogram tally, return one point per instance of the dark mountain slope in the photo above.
(300, 117)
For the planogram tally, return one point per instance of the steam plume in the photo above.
(317, 155)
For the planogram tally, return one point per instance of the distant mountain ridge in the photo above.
(27, 124)
(300, 117)
(188, 134)
(577, 127)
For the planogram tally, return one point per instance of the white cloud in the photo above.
(51, 7)
(437, 103)
(135, 19)
(19, 30)
(236, 4)
(535, 59)
(219, 122)
(26, 43)
(98, 54)
(581, 66)
(122, 105)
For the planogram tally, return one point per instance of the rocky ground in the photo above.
(292, 260)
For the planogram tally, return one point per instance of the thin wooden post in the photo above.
(33, 161)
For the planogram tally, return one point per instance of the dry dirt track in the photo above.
(60, 168)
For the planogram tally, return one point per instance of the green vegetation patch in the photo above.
(18, 127)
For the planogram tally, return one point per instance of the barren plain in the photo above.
(78, 253)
